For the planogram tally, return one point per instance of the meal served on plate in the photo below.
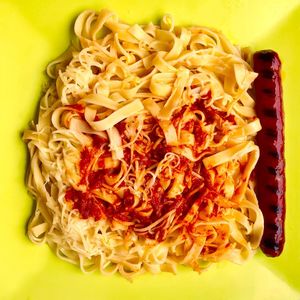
(143, 153)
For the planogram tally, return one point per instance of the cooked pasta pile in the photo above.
(143, 151)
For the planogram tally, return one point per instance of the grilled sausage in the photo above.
(270, 169)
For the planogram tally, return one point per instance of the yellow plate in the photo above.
(34, 32)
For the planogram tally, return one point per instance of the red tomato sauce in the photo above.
(128, 208)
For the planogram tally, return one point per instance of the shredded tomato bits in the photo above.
(195, 194)
(86, 203)
(210, 113)
(76, 107)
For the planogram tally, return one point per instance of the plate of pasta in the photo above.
(153, 169)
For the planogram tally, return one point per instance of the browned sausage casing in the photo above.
(271, 165)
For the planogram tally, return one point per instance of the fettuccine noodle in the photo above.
(142, 154)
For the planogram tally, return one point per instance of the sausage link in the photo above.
(270, 169)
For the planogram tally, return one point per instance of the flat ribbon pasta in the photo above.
(142, 154)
